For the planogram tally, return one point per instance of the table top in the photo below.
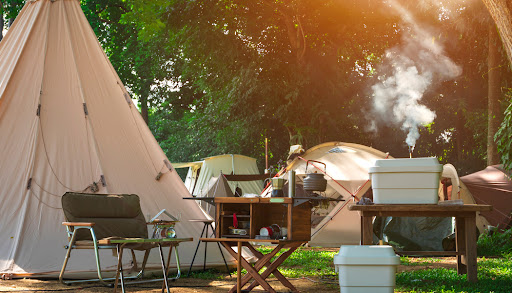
(271, 241)
(261, 199)
(202, 220)
(420, 208)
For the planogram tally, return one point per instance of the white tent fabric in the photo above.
(68, 124)
(200, 173)
(347, 166)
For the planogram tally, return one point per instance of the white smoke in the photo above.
(412, 68)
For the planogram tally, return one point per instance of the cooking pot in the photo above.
(315, 181)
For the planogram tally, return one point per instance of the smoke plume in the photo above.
(408, 71)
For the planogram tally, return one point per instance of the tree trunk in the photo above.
(2, 21)
(494, 116)
(502, 16)
(144, 108)
(1, 24)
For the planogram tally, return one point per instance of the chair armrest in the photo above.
(83, 224)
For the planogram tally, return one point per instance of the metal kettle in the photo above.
(315, 181)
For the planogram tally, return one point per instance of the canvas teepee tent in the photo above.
(68, 124)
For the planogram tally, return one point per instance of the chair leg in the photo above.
(96, 255)
(68, 254)
(195, 253)
(119, 272)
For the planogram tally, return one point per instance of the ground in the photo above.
(193, 285)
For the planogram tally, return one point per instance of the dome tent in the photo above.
(491, 186)
(347, 166)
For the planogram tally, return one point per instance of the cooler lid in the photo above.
(429, 164)
(366, 255)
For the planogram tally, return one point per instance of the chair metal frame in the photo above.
(119, 244)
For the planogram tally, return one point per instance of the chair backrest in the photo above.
(114, 215)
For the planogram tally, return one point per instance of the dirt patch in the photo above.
(421, 264)
(183, 285)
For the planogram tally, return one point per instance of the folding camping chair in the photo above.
(101, 221)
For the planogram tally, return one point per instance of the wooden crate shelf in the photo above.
(263, 212)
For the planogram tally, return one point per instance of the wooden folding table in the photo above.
(465, 227)
(263, 260)
(294, 214)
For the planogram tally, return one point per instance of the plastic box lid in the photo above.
(366, 255)
(429, 164)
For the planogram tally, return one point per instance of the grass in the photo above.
(494, 273)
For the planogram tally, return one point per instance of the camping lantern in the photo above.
(315, 181)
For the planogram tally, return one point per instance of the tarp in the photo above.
(67, 123)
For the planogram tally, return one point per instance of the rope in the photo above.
(48, 158)
(42, 202)
(40, 94)
(40, 187)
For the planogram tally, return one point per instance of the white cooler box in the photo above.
(366, 268)
(406, 181)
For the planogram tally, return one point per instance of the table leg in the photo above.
(205, 249)
(366, 230)
(272, 269)
(220, 249)
(164, 267)
(471, 257)
(167, 267)
(460, 241)
(239, 268)
(119, 272)
(264, 261)
(197, 248)
(250, 270)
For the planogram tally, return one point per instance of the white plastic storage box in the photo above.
(366, 268)
(406, 181)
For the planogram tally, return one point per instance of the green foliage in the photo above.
(503, 136)
(220, 76)
(298, 72)
(498, 243)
